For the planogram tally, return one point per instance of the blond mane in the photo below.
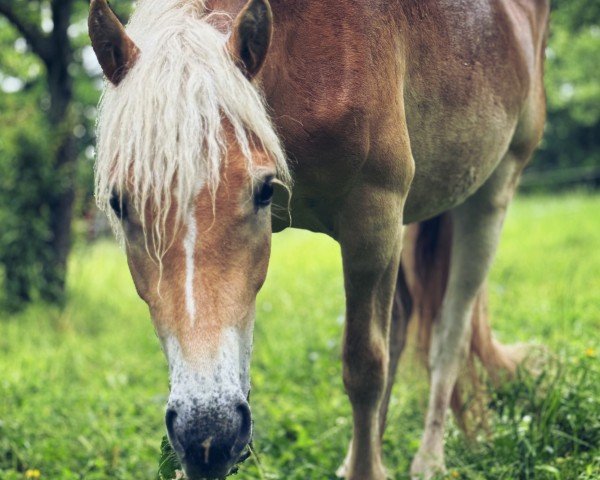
(160, 132)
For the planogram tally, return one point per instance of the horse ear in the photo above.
(251, 36)
(116, 52)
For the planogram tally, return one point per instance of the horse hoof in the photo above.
(342, 472)
(380, 474)
(427, 468)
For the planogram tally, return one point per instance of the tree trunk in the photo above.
(60, 203)
(56, 52)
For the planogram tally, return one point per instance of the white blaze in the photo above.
(189, 245)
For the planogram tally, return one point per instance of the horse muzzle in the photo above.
(210, 439)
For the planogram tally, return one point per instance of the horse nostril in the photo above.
(170, 418)
(245, 431)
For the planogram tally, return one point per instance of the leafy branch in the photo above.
(32, 33)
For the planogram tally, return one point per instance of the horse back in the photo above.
(347, 79)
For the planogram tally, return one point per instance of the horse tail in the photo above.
(426, 263)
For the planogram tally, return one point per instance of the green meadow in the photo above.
(83, 389)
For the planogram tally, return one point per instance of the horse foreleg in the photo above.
(365, 373)
(401, 311)
(477, 224)
(371, 246)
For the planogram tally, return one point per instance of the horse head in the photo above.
(186, 166)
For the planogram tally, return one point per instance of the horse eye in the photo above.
(264, 195)
(118, 205)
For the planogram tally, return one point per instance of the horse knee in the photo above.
(365, 369)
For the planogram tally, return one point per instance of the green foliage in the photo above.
(25, 178)
(83, 389)
(45, 151)
(168, 463)
(572, 137)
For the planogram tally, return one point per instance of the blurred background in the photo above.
(82, 380)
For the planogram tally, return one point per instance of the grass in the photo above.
(82, 391)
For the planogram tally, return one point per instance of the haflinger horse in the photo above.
(384, 113)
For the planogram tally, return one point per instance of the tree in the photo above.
(40, 152)
(572, 137)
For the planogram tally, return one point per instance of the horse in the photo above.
(355, 117)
